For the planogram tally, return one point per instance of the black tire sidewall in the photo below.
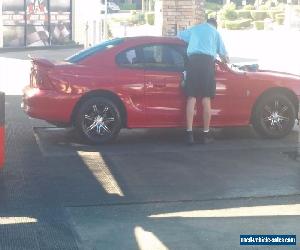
(80, 116)
(257, 116)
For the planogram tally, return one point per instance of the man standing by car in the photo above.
(204, 44)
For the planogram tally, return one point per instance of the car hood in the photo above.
(273, 75)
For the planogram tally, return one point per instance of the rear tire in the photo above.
(274, 116)
(98, 120)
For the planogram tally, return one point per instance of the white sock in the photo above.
(206, 131)
(189, 130)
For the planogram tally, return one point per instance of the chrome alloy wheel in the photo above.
(99, 120)
(276, 115)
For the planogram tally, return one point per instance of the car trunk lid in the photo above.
(39, 75)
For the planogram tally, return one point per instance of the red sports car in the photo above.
(136, 83)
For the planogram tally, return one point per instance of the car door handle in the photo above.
(149, 85)
(159, 85)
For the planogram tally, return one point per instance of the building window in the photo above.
(60, 22)
(13, 15)
(36, 22)
(163, 57)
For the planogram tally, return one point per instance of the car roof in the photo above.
(123, 43)
(156, 39)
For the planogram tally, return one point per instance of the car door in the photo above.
(231, 104)
(130, 77)
(165, 100)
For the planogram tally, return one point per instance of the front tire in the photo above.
(274, 116)
(98, 120)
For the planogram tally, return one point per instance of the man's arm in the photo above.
(222, 52)
(185, 35)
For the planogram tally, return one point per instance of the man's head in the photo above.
(213, 22)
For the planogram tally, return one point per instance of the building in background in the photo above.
(136, 3)
(29, 23)
(175, 15)
(35, 23)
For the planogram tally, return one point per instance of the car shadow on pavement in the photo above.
(59, 142)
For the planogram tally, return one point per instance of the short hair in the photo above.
(213, 22)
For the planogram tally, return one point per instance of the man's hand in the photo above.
(224, 59)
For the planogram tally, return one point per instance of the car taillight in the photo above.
(40, 80)
(44, 82)
(33, 83)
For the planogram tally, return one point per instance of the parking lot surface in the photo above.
(148, 190)
(145, 191)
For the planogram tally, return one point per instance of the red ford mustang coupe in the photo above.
(136, 83)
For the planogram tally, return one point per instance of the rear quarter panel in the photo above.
(128, 85)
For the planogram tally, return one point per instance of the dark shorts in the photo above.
(200, 76)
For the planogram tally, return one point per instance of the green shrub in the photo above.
(272, 13)
(128, 6)
(229, 6)
(212, 15)
(212, 6)
(230, 15)
(259, 25)
(150, 18)
(238, 24)
(263, 7)
(137, 18)
(243, 14)
(248, 7)
(246, 23)
(281, 6)
(207, 12)
(259, 15)
(228, 10)
(232, 25)
(280, 19)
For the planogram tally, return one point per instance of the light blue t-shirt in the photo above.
(203, 39)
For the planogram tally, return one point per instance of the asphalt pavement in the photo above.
(145, 191)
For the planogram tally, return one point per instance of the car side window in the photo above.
(163, 57)
(129, 58)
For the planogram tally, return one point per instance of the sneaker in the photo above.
(189, 137)
(206, 138)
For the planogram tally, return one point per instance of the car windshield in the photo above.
(95, 49)
(244, 67)
(236, 68)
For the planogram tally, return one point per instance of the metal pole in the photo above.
(86, 34)
(94, 32)
(143, 5)
(100, 31)
(105, 20)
